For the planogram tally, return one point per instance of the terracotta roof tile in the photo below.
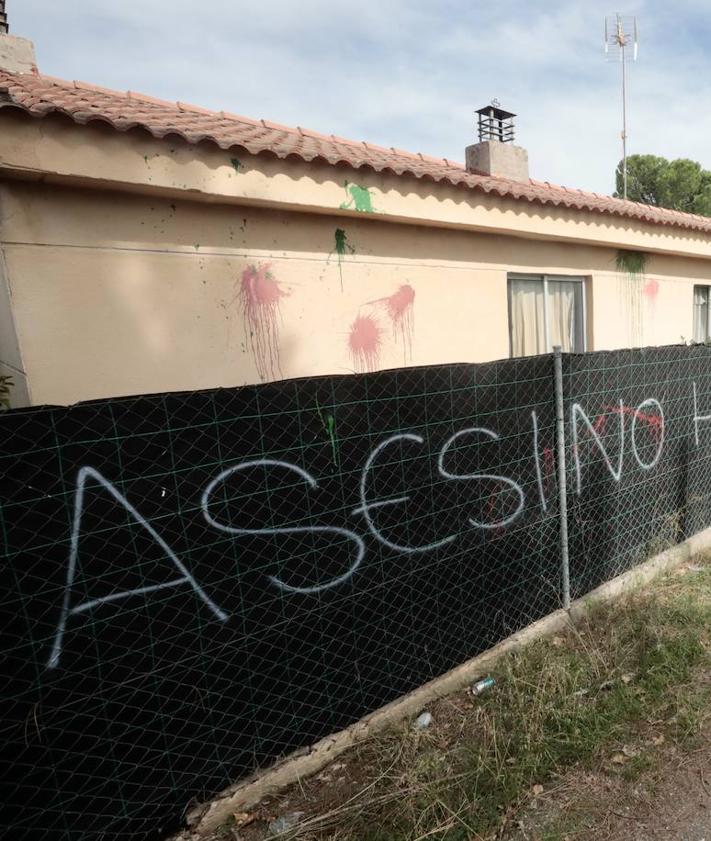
(40, 95)
(86, 86)
(143, 97)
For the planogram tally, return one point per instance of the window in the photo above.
(545, 311)
(702, 331)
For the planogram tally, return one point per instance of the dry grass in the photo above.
(577, 700)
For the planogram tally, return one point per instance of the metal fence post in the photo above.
(562, 491)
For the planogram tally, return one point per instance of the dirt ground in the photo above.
(649, 790)
(671, 800)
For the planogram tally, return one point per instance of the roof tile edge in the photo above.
(363, 154)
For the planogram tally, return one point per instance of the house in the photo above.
(151, 246)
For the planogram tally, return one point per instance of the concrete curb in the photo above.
(247, 793)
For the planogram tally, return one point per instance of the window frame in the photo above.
(545, 278)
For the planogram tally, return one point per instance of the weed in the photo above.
(631, 262)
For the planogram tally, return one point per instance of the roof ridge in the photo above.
(137, 96)
(78, 84)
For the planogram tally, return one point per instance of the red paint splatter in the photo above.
(654, 422)
(490, 510)
(260, 297)
(600, 423)
(650, 290)
(400, 308)
(364, 342)
(548, 467)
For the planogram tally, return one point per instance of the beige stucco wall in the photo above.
(123, 257)
(11, 364)
(115, 293)
(655, 309)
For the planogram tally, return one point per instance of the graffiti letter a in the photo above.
(184, 576)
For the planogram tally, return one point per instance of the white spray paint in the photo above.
(576, 410)
(307, 477)
(650, 401)
(485, 476)
(366, 507)
(537, 461)
(185, 577)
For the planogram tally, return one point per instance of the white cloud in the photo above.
(406, 73)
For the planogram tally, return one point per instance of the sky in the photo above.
(405, 73)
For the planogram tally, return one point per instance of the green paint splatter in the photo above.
(341, 242)
(329, 425)
(196, 246)
(237, 164)
(359, 199)
(342, 248)
(331, 429)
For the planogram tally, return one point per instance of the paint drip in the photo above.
(549, 467)
(260, 296)
(630, 287)
(364, 342)
(329, 425)
(631, 282)
(400, 309)
(342, 248)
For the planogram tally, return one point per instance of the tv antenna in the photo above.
(621, 45)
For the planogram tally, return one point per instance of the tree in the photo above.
(643, 173)
(680, 184)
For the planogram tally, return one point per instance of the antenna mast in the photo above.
(621, 45)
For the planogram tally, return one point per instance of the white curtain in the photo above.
(562, 315)
(701, 311)
(528, 326)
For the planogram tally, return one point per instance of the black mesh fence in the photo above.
(198, 583)
(639, 456)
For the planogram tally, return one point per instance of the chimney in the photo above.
(16, 54)
(495, 153)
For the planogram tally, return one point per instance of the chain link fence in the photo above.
(198, 583)
(651, 488)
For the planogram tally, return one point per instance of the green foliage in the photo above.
(631, 262)
(643, 173)
(6, 384)
(681, 184)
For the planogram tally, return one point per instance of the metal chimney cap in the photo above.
(495, 124)
(494, 111)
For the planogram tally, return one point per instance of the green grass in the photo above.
(574, 700)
